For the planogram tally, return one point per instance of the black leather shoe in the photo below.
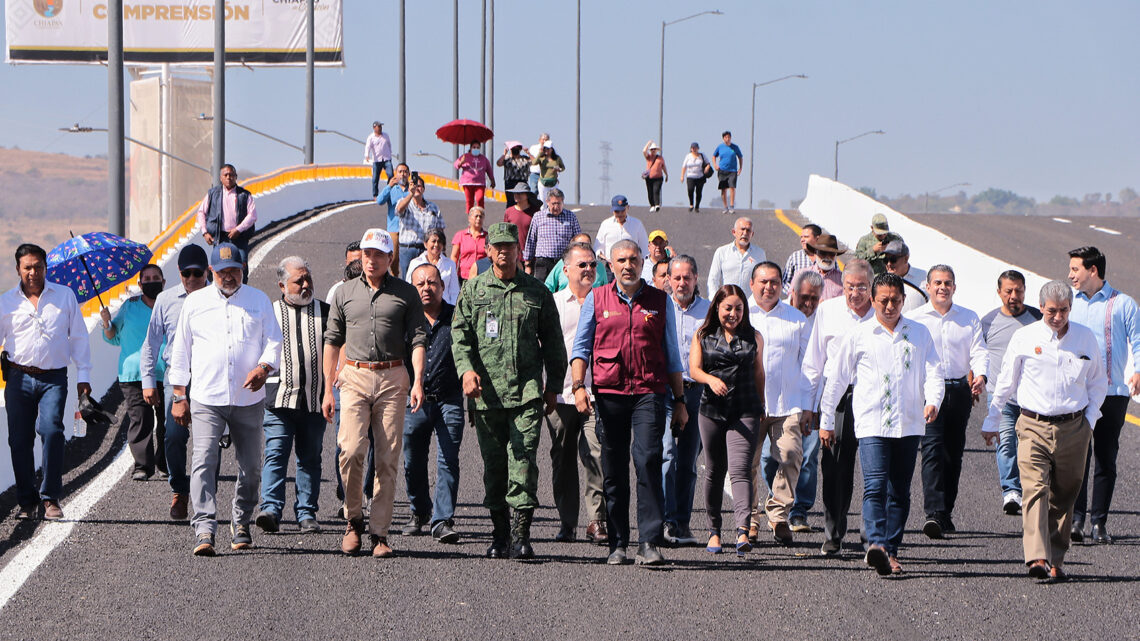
(617, 557)
(414, 526)
(648, 554)
(932, 528)
(444, 532)
(830, 548)
(1100, 534)
(1077, 534)
(267, 521)
(566, 535)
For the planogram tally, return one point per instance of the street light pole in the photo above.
(116, 156)
(578, 112)
(661, 90)
(310, 60)
(840, 142)
(752, 140)
(76, 129)
(403, 111)
(318, 130)
(219, 88)
(252, 130)
(455, 75)
(926, 205)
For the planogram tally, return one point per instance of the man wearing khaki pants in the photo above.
(1054, 369)
(374, 318)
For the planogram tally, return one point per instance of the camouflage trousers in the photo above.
(508, 440)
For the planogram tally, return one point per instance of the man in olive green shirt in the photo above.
(505, 331)
(871, 246)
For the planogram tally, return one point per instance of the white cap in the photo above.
(548, 144)
(376, 238)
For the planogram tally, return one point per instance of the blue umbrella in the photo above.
(95, 262)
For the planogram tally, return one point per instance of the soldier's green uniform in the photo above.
(507, 332)
(865, 248)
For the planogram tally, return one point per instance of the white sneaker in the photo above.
(1011, 503)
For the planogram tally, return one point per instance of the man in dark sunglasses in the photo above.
(160, 334)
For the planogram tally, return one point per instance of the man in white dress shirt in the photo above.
(620, 226)
(784, 329)
(572, 435)
(1055, 370)
(378, 153)
(227, 342)
(832, 320)
(957, 333)
(897, 376)
(732, 263)
(42, 330)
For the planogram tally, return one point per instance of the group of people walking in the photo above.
(608, 342)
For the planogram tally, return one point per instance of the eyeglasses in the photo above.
(591, 264)
(192, 273)
(856, 288)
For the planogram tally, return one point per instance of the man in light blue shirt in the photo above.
(728, 159)
(1114, 319)
(154, 357)
(679, 460)
(128, 331)
(397, 188)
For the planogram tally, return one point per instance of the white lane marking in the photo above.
(1062, 220)
(264, 249)
(51, 534)
(1106, 230)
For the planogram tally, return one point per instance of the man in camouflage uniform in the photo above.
(504, 332)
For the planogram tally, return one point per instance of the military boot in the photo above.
(520, 535)
(500, 535)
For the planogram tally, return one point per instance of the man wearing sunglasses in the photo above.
(159, 336)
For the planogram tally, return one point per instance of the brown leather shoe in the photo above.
(1039, 569)
(753, 531)
(596, 532)
(1057, 575)
(380, 547)
(52, 511)
(781, 532)
(350, 543)
(896, 567)
(179, 507)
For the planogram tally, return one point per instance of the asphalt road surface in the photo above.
(126, 571)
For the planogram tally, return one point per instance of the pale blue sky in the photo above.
(1038, 97)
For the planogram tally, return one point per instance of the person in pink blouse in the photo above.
(469, 245)
(474, 172)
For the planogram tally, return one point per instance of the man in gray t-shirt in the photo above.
(998, 327)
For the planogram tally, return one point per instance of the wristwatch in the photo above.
(577, 385)
(177, 398)
(264, 367)
(679, 399)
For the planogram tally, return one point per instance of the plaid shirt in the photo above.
(415, 222)
(550, 235)
(797, 261)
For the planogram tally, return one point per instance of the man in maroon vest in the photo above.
(627, 327)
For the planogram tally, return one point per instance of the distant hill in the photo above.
(1123, 204)
(44, 197)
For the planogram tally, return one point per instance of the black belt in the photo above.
(419, 246)
(689, 384)
(954, 382)
(1061, 418)
(35, 371)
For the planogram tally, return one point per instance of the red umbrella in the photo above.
(464, 132)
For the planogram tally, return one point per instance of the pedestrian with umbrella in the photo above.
(41, 330)
(474, 168)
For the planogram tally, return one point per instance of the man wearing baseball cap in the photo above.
(375, 319)
(659, 252)
(228, 342)
(505, 333)
(620, 226)
(871, 247)
(378, 151)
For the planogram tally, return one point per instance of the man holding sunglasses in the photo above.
(159, 336)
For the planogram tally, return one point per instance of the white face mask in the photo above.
(476, 152)
(825, 265)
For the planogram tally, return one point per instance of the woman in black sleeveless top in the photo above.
(726, 357)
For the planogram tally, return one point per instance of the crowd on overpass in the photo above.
(784, 376)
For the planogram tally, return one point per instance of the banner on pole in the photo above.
(258, 32)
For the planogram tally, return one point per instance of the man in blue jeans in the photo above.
(441, 414)
(681, 448)
(159, 336)
(41, 329)
(293, 401)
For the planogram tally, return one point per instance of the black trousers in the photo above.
(695, 187)
(1104, 448)
(653, 191)
(146, 428)
(942, 448)
(642, 417)
(837, 466)
(542, 267)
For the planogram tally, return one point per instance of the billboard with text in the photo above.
(258, 32)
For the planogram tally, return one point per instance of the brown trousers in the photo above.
(788, 450)
(1051, 460)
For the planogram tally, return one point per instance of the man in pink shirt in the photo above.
(228, 214)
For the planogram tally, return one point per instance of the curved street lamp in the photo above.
(251, 129)
(661, 94)
(77, 129)
(926, 205)
(752, 140)
(840, 142)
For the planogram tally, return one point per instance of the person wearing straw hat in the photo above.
(827, 253)
(42, 330)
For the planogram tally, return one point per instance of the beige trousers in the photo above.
(1051, 460)
(371, 400)
(787, 447)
